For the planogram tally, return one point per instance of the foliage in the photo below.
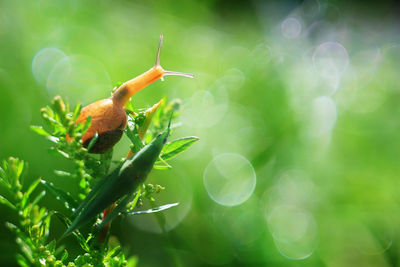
(32, 226)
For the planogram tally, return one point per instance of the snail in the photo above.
(108, 115)
(119, 185)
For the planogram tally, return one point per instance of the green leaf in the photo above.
(174, 148)
(132, 261)
(24, 201)
(93, 141)
(132, 133)
(53, 139)
(38, 198)
(64, 256)
(5, 201)
(51, 120)
(165, 166)
(153, 210)
(87, 124)
(61, 195)
(46, 226)
(135, 200)
(39, 130)
(114, 252)
(82, 183)
(22, 261)
(77, 111)
(25, 248)
(161, 167)
(12, 227)
(79, 237)
(62, 153)
(32, 187)
(62, 173)
(51, 246)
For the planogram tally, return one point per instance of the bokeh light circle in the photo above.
(206, 107)
(44, 61)
(330, 61)
(229, 179)
(242, 224)
(375, 239)
(288, 223)
(294, 231)
(78, 77)
(291, 28)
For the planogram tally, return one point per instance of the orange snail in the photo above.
(108, 115)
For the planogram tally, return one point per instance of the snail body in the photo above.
(108, 121)
(108, 115)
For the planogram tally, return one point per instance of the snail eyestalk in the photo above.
(131, 87)
(175, 73)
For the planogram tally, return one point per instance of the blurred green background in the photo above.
(296, 104)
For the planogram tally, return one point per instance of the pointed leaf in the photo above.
(61, 195)
(149, 115)
(87, 124)
(39, 130)
(113, 252)
(53, 139)
(38, 198)
(153, 210)
(5, 201)
(62, 153)
(62, 173)
(51, 246)
(22, 261)
(32, 187)
(136, 199)
(77, 111)
(25, 248)
(64, 256)
(174, 148)
(93, 141)
(67, 222)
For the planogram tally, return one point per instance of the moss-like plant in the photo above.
(32, 226)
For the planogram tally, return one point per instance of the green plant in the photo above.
(32, 226)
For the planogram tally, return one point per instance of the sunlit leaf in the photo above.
(62, 173)
(32, 187)
(153, 210)
(174, 148)
(53, 139)
(162, 167)
(39, 130)
(25, 248)
(77, 111)
(93, 141)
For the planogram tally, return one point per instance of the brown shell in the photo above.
(108, 120)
